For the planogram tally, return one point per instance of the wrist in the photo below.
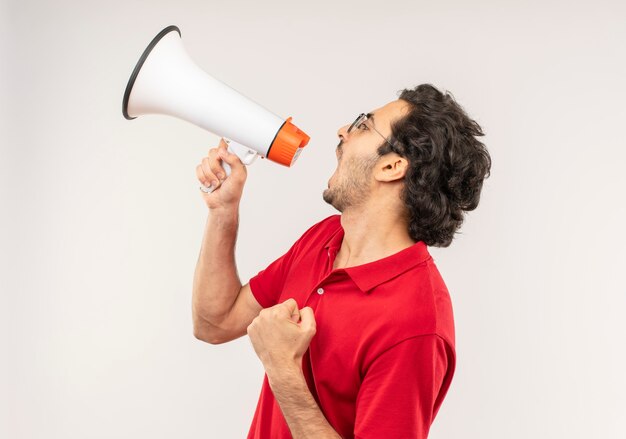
(285, 373)
(224, 216)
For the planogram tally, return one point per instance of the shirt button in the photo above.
(320, 291)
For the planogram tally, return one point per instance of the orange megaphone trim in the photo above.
(288, 141)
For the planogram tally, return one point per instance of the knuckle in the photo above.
(214, 165)
(252, 324)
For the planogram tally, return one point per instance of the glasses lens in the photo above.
(361, 117)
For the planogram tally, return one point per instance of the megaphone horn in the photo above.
(166, 81)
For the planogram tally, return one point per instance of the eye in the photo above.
(362, 126)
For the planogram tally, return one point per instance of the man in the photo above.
(354, 324)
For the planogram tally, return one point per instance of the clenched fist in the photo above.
(281, 335)
(228, 189)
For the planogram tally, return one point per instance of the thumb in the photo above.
(232, 159)
(292, 308)
(308, 318)
(222, 145)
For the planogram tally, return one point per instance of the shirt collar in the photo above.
(372, 274)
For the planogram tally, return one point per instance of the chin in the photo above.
(327, 195)
(331, 198)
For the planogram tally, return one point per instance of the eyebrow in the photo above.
(371, 116)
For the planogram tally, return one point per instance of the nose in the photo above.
(342, 132)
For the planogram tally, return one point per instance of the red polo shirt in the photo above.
(383, 355)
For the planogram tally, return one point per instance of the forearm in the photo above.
(216, 282)
(303, 415)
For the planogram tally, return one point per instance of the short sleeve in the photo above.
(403, 388)
(267, 285)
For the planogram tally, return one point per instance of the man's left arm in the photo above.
(280, 336)
(303, 415)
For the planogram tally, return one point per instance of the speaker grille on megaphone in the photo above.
(166, 81)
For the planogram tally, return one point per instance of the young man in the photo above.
(354, 324)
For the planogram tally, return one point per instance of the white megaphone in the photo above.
(166, 81)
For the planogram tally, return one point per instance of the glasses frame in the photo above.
(361, 118)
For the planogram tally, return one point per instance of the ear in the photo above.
(391, 167)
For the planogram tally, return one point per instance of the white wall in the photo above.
(102, 218)
(4, 232)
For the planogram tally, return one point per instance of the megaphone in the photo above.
(166, 81)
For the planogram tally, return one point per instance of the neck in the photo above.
(371, 232)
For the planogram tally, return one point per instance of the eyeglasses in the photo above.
(360, 120)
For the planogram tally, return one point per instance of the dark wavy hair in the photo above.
(447, 163)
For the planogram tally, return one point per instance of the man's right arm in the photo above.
(222, 308)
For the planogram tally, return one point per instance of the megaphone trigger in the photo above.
(245, 154)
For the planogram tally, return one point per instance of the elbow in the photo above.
(207, 339)
(203, 330)
(207, 336)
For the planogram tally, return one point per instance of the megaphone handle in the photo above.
(245, 154)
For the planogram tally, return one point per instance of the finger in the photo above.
(208, 174)
(215, 164)
(307, 319)
(291, 304)
(292, 308)
(232, 159)
(201, 177)
(222, 145)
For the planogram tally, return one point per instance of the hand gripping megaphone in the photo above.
(166, 81)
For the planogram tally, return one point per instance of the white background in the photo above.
(102, 220)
